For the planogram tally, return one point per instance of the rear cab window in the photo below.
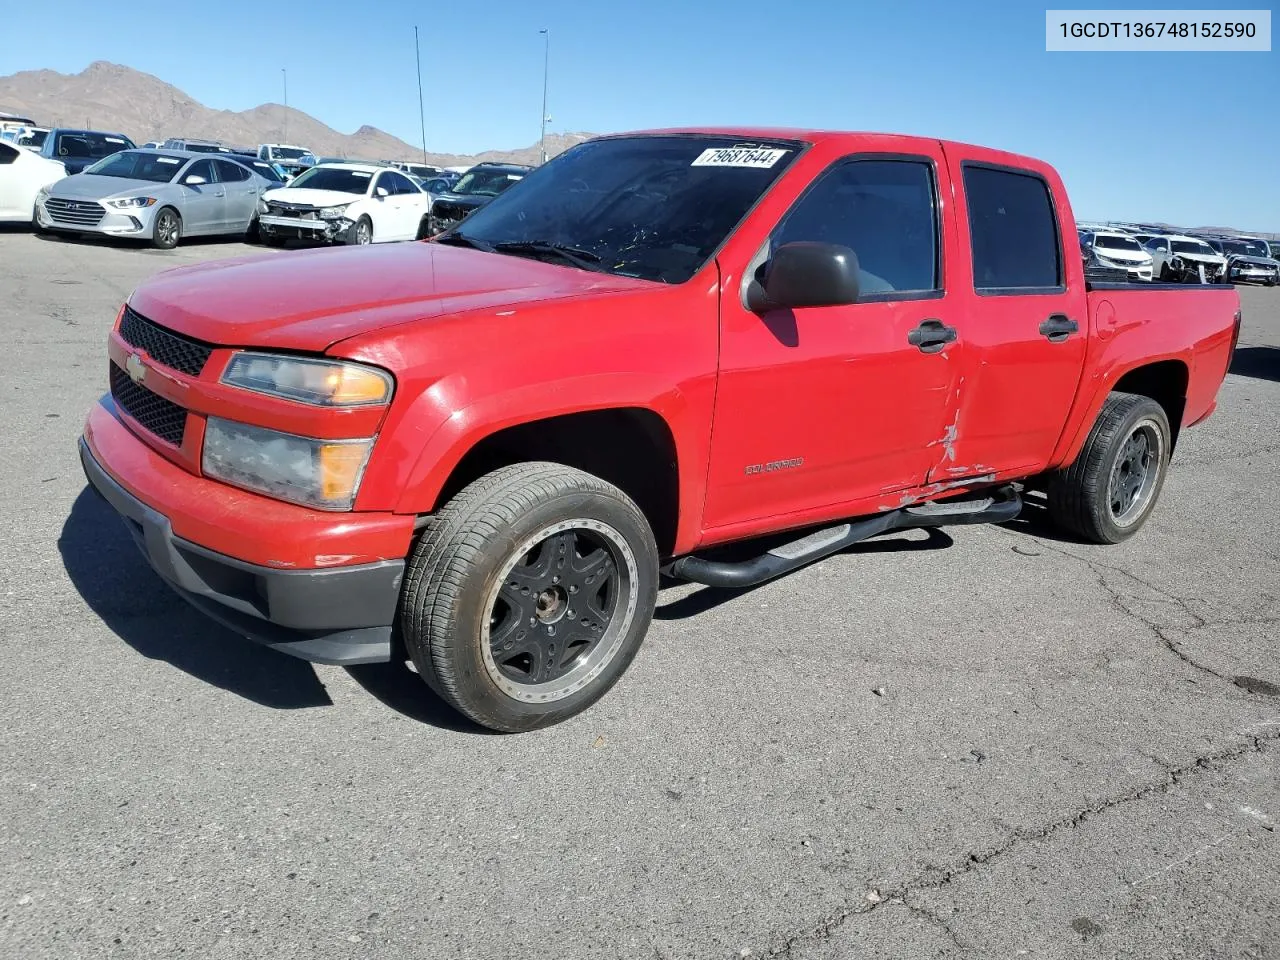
(1013, 231)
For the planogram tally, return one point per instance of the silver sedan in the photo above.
(156, 195)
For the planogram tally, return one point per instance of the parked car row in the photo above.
(1145, 254)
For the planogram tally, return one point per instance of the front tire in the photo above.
(1110, 490)
(361, 232)
(529, 595)
(167, 230)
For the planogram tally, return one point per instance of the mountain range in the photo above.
(108, 96)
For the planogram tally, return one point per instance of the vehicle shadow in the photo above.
(399, 687)
(709, 598)
(113, 577)
(1260, 363)
(1034, 520)
(109, 572)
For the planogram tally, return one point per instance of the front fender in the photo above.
(446, 421)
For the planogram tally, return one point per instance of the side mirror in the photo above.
(382, 192)
(806, 274)
(194, 180)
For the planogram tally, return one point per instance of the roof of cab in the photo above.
(819, 137)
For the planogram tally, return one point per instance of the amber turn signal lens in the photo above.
(340, 465)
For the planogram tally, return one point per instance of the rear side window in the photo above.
(1013, 231)
(883, 210)
(8, 154)
(230, 172)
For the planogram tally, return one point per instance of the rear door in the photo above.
(819, 408)
(1025, 321)
(242, 190)
(203, 204)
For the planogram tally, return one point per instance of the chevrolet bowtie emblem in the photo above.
(136, 369)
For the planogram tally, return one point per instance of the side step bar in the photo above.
(1004, 505)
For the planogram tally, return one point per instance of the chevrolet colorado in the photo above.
(480, 451)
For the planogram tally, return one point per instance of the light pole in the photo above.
(284, 76)
(546, 63)
(422, 117)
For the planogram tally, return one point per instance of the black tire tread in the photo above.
(1076, 494)
(451, 547)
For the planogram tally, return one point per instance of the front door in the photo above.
(1026, 324)
(204, 203)
(820, 408)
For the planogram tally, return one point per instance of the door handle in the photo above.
(1058, 327)
(220, 193)
(931, 336)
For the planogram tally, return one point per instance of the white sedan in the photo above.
(345, 203)
(22, 175)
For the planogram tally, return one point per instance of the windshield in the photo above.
(1247, 248)
(1117, 243)
(1187, 246)
(289, 153)
(138, 165)
(82, 144)
(651, 207)
(334, 178)
(486, 182)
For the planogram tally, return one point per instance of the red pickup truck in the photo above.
(480, 451)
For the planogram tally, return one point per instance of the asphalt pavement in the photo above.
(988, 742)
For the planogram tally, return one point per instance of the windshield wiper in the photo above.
(583, 259)
(462, 240)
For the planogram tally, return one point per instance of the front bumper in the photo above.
(340, 614)
(1254, 274)
(295, 228)
(113, 223)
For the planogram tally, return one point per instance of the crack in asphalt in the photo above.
(936, 878)
(937, 921)
(1118, 602)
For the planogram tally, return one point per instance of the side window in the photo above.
(384, 181)
(201, 168)
(406, 185)
(8, 154)
(883, 210)
(1013, 230)
(230, 172)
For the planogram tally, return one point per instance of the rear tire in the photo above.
(1110, 490)
(271, 239)
(167, 230)
(529, 595)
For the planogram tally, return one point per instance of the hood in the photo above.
(305, 197)
(1253, 261)
(90, 186)
(1123, 256)
(311, 299)
(468, 201)
(1202, 257)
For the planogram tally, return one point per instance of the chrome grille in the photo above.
(167, 348)
(80, 213)
(165, 419)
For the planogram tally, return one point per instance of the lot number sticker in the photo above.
(739, 157)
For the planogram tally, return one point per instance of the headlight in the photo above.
(132, 203)
(315, 473)
(324, 383)
(333, 213)
(262, 206)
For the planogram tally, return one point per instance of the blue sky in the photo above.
(1192, 138)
